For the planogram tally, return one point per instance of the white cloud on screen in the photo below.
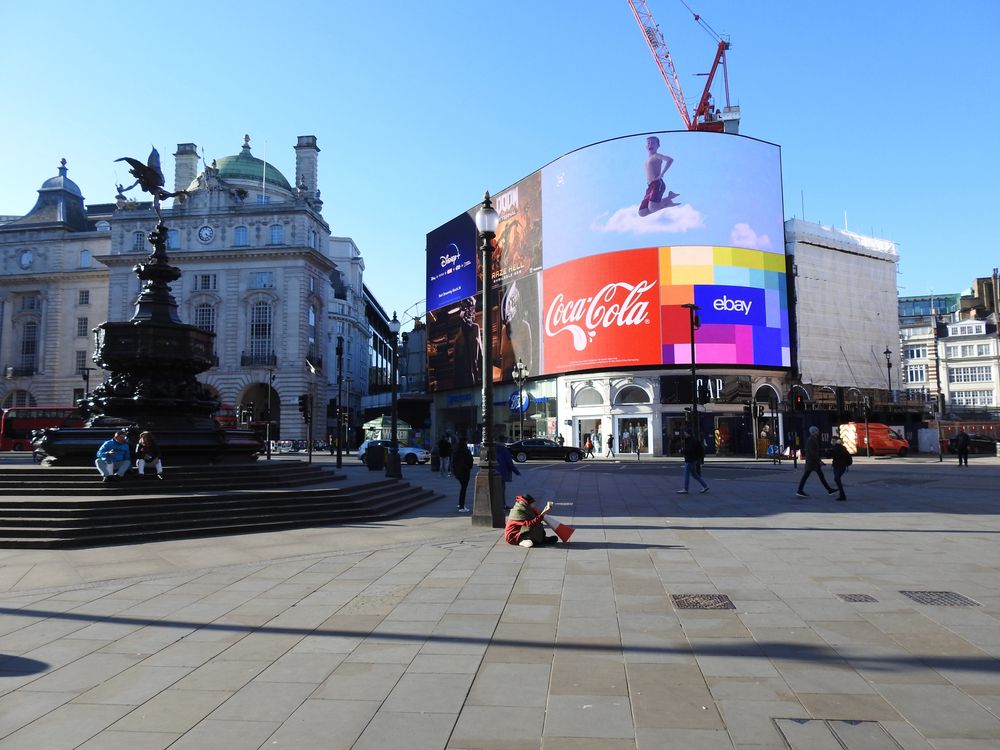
(669, 220)
(743, 235)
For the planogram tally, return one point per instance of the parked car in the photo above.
(544, 448)
(407, 453)
(977, 444)
(283, 446)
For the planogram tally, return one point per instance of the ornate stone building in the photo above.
(261, 270)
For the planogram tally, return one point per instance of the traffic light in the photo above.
(331, 408)
(304, 407)
(798, 402)
(246, 413)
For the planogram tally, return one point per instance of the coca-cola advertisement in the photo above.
(602, 311)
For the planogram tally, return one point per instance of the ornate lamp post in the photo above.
(487, 503)
(520, 374)
(888, 371)
(393, 469)
(85, 374)
(695, 324)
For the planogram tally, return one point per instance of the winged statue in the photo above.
(150, 178)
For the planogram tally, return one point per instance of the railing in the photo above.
(258, 360)
(19, 372)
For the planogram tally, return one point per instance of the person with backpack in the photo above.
(841, 461)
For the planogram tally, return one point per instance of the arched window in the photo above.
(204, 317)
(277, 234)
(589, 396)
(632, 394)
(29, 346)
(241, 237)
(260, 329)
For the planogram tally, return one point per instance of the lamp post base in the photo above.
(393, 469)
(487, 499)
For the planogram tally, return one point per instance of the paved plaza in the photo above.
(741, 618)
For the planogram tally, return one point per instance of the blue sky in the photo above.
(880, 108)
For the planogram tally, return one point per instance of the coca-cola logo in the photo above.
(617, 304)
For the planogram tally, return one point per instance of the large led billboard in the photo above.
(597, 253)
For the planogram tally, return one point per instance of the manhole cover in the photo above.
(940, 598)
(702, 601)
(857, 598)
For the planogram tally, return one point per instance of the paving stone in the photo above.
(498, 728)
(504, 684)
(172, 711)
(589, 716)
(111, 740)
(362, 681)
(67, 726)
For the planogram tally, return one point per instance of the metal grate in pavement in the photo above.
(857, 597)
(810, 734)
(702, 601)
(940, 598)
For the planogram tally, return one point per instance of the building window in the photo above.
(312, 283)
(241, 237)
(972, 398)
(81, 361)
(204, 282)
(204, 317)
(277, 234)
(311, 332)
(173, 239)
(18, 398)
(970, 329)
(263, 198)
(313, 239)
(85, 259)
(262, 279)
(915, 352)
(84, 297)
(589, 396)
(29, 345)
(138, 242)
(916, 373)
(260, 329)
(918, 394)
(984, 350)
(982, 374)
(29, 303)
(83, 327)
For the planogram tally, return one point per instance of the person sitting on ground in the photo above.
(113, 457)
(524, 523)
(148, 451)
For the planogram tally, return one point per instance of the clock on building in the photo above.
(25, 259)
(205, 234)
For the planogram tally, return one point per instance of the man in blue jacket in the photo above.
(114, 457)
(505, 468)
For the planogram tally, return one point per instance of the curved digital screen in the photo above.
(597, 253)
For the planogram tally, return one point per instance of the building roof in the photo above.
(247, 167)
(60, 202)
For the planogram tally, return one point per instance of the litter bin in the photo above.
(435, 459)
(375, 458)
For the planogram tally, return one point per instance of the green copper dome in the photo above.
(246, 166)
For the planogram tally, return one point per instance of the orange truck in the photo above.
(883, 440)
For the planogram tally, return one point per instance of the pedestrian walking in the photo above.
(611, 447)
(694, 455)
(461, 467)
(505, 468)
(588, 448)
(444, 452)
(962, 447)
(812, 462)
(841, 461)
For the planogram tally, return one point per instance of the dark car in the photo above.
(977, 444)
(544, 448)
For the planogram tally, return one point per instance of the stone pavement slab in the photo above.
(426, 632)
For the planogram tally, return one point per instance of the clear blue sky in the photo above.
(882, 109)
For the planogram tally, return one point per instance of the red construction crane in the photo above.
(705, 116)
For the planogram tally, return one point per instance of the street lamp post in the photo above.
(888, 371)
(520, 374)
(85, 374)
(695, 324)
(340, 380)
(487, 503)
(393, 469)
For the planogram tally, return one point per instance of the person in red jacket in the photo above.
(524, 523)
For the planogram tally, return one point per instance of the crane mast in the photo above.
(703, 118)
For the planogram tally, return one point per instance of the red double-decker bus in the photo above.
(225, 415)
(18, 422)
